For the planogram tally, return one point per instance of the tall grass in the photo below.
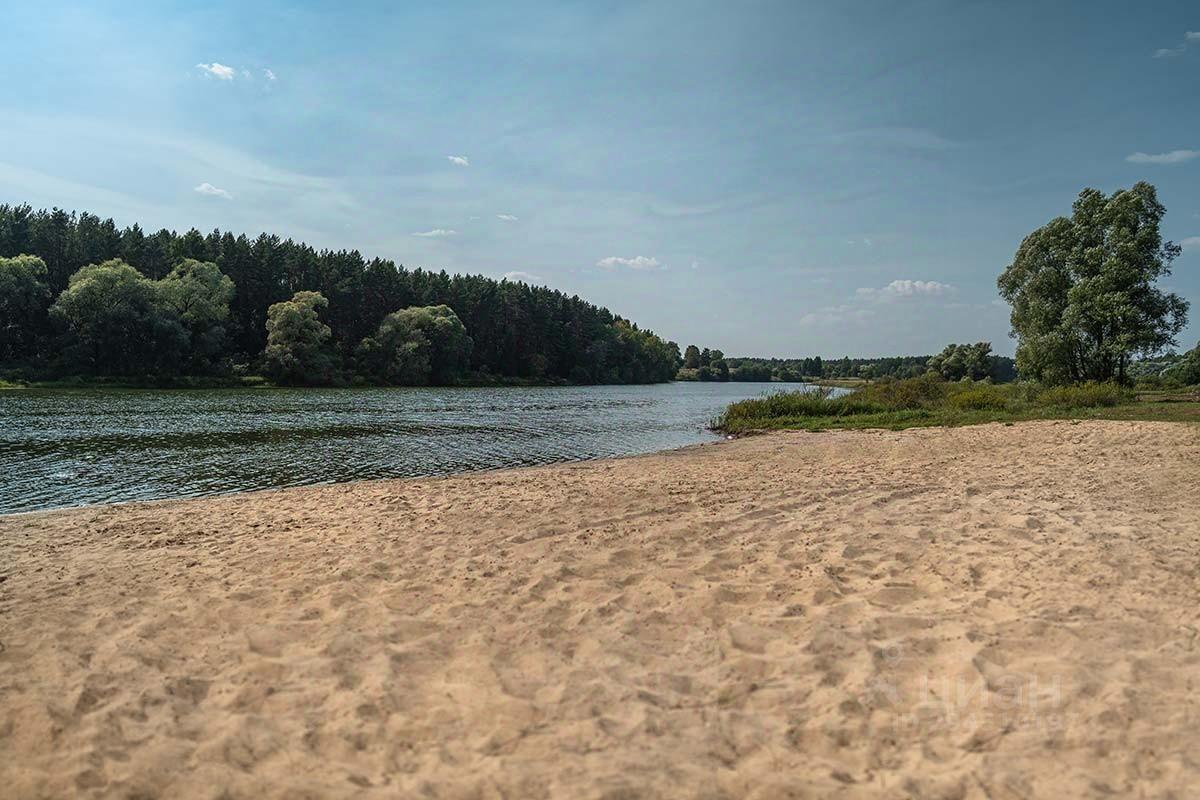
(925, 400)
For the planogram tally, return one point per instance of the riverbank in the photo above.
(973, 612)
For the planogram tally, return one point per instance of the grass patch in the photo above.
(929, 401)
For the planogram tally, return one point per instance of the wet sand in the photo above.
(986, 612)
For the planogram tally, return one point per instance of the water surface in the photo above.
(73, 447)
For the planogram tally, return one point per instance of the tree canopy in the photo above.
(24, 298)
(1084, 292)
(298, 350)
(518, 331)
(416, 346)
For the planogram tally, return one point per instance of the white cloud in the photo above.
(637, 262)
(212, 191)
(518, 275)
(461, 161)
(1190, 242)
(216, 70)
(1173, 157)
(269, 74)
(906, 288)
(437, 233)
(1191, 37)
(507, 217)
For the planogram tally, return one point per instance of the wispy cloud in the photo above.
(507, 217)
(461, 161)
(518, 275)
(218, 71)
(1173, 157)
(270, 75)
(1190, 243)
(906, 288)
(437, 233)
(212, 191)
(1189, 38)
(636, 262)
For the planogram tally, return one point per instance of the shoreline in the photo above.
(927, 612)
(723, 438)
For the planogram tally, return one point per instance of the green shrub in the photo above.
(922, 392)
(981, 397)
(1084, 395)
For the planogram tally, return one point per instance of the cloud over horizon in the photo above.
(437, 233)
(636, 262)
(217, 70)
(209, 190)
(906, 288)
(1173, 157)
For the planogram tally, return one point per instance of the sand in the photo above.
(987, 612)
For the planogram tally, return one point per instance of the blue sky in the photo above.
(784, 178)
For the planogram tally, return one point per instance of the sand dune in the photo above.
(988, 612)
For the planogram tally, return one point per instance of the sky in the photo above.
(768, 178)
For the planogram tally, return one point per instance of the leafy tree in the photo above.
(416, 346)
(298, 350)
(691, 357)
(200, 295)
(1186, 370)
(24, 298)
(1083, 289)
(960, 361)
(115, 322)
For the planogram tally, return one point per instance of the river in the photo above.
(74, 447)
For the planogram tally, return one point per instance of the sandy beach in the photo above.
(985, 612)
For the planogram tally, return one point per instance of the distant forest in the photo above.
(90, 298)
(955, 362)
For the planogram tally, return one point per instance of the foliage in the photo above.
(417, 346)
(1083, 290)
(1186, 372)
(199, 294)
(958, 361)
(1084, 395)
(115, 322)
(298, 350)
(24, 299)
(519, 331)
(927, 400)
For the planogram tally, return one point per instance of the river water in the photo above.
(74, 447)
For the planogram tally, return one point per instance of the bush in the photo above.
(1084, 395)
(981, 397)
(921, 392)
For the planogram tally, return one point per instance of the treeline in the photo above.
(956, 362)
(80, 296)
